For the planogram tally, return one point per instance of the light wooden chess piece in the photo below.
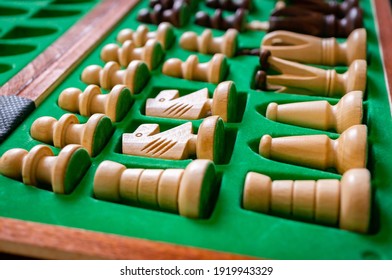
(190, 192)
(41, 168)
(196, 105)
(303, 79)
(346, 203)
(207, 44)
(151, 53)
(314, 50)
(319, 151)
(320, 114)
(178, 142)
(115, 104)
(135, 76)
(164, 35)
(92, 135)
(213, 71)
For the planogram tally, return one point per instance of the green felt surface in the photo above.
(27, 28)
(229, 228)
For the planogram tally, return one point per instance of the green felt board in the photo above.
(28, 27)
(230, 228)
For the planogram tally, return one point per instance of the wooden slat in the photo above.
(42, 75)
(54, 242)
(384, 20)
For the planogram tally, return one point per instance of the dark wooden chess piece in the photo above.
(178, 15)
(217, 21)
(229, 5)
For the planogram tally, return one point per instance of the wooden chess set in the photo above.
(186, 129)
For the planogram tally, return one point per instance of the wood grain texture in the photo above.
(41, 76)
(55, 242)
(384, 19)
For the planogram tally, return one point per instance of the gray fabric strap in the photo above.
(13, 110)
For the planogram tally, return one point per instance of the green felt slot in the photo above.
(55, 13)
(29, 27)
(228, 227)
(9, 11)
(20, 32)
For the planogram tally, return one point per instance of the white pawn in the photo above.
(135, 76)
(92, 135)
(115, 104)
(41, 168)
(151, 53)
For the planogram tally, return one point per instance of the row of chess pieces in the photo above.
(314, 17)
(142, 50)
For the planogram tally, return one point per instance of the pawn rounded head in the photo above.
(352, 148)
(188, 41)
(180, 13)
(198, 189)
(110, 52)
(90, 74)
(210, 139)
(356, 76)
(203, 19)
(124, 35)
(224, 103)
(356, 45)
(355, 200)
(69, 99)
(144, 16)
(11, 163)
